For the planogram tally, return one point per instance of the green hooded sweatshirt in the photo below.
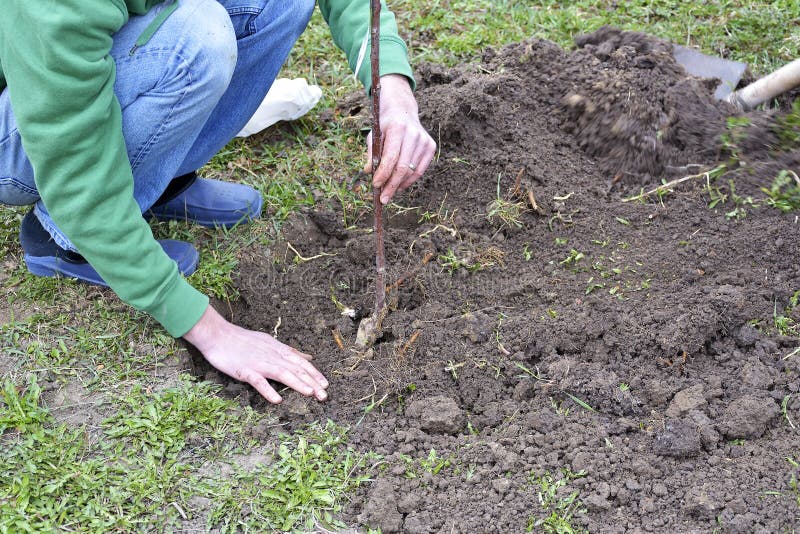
(55, 63)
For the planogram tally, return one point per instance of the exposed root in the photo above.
(304, 259)
(370, 329)
(667, 187)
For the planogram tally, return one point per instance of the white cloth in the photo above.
(287, 100)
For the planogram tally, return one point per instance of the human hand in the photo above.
(253, 357)
(407, 148)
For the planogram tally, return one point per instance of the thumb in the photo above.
(368, 165)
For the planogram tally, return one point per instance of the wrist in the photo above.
(207, 330)
(396, 94)
(399, 80)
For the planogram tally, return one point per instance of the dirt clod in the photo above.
(380, 510)
(437, 415)
(699, 503)
(476, 327)
(679, 439)
(748, 417)
(686, 400)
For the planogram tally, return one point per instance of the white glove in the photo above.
(286, 100)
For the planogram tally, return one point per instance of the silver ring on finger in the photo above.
(412, 166)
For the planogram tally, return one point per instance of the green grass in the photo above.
(9, 228)
(302, 488)
(452, 261)
(160, 424)
(433, 463)
(784, 192)
(53, 476)
(146, 460)
(559, 503)
(140, 469)
(102, 345)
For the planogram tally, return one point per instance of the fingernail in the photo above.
(324, 383)
(321, 395)
(308, 391)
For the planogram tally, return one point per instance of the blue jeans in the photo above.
(183, 95)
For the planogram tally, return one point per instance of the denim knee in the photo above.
(208, 46)
(298, 14)
(290, 16)
(14, 192)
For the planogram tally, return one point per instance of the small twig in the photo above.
(452, 367)
(397, 283)
(277, 325)
(301, 258)
(337, 337)
(408, 344)
(180, 510)
(534, 205)
(409, 273)
(669, 185)
(359, 358)
(452, 231)
(369, 396)
(516, 190)
(785, 410)
(795, 352)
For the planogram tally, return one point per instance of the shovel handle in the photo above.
(768, 87)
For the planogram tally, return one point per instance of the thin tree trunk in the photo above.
(377, 146)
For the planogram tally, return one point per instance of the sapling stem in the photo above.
(370, 328)
(377, 145)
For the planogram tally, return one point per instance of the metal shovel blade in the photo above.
(705, 66)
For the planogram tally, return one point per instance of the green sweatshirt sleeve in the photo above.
(60, 78)
(349, 23)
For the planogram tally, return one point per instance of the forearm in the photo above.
(71, 128)
(349, 23)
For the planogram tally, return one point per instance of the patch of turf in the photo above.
(142, 467)
(159, 424)
(53, 477)
(301, 488)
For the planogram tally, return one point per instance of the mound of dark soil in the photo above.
(633, 344)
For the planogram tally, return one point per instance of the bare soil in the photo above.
(633, 342)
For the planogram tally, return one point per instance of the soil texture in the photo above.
(539, 325)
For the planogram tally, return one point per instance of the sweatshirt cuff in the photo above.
(394, 60)
(180, 308)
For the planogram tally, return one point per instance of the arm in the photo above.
(349, 23)
(60, 78)
(407, 148)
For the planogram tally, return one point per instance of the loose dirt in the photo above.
(627, 348)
